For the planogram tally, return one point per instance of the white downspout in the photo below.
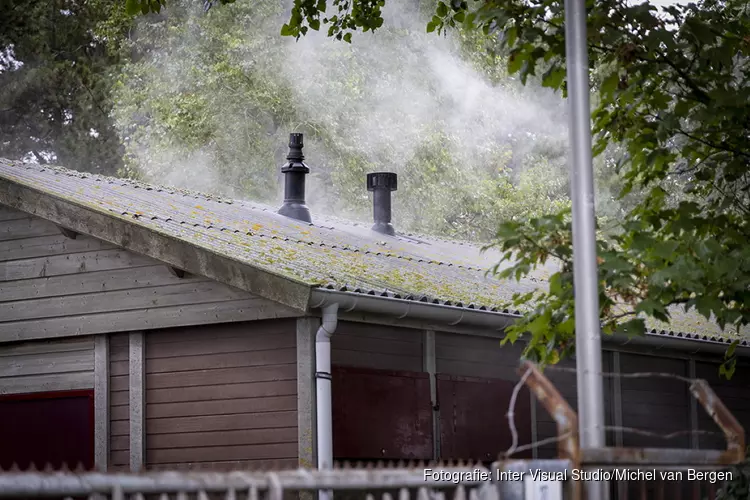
(323, 390)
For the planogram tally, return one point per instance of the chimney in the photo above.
(381, 184)
(294, 182)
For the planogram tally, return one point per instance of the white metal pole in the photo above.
(324, 403)
(588, 335)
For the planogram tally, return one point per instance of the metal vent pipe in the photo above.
(294, 172)
(381, 184)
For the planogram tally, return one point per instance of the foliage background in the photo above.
(212, 103)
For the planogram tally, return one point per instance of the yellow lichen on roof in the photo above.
(319, 254)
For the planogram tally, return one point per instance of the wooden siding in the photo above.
(655, 404)
(364, 345)
(119, 406)
(53, 286)
(47, 366)
(474, 356)
(222, 395)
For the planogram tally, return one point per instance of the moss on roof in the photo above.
(331, 252)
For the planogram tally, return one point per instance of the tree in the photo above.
(54, 81)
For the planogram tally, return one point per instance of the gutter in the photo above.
(440, 314)
(656, 341)
(402, 308)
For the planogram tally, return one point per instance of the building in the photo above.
(143, 326)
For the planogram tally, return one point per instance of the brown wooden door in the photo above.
(47, 428)
(473, 418)
(381, 414)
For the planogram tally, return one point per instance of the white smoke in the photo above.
(380, 97)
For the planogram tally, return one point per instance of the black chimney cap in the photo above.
(382, 180)
(295, 157)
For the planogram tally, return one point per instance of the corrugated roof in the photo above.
(331, 252)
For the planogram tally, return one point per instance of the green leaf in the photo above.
(728, 368)
(660, 100)
(701, 31)
(132, 7)
(609, 84)
(568, 326)
(555, 284)
(538, 326)
(553, 357)
(665, 249)
(652, 308)
(510, 36)
(706, 304)
(348, 38)
(442, 9)
(431, 27)
(314, 24)
(731, 350)
(614, 263)
(515, 61)
(553, 77)
(469, 21)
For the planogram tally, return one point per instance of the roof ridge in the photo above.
(123, 181)
(253, 205)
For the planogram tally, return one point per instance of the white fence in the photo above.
(429, 483)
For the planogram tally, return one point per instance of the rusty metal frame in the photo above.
(674, 457)
(569, 444)
(566, 419)
(733, 431)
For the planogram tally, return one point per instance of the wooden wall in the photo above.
(373, 346)
(470, 371)
(45, 366)
(656, 405)
(474, 356)
(54, 286)
(222, 396)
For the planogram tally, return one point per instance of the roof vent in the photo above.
(294, 182)
(381, 184)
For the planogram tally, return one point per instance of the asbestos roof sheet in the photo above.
(330, 253)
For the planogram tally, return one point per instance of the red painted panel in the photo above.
(47, 428)
(381, 414)
(473, 421)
